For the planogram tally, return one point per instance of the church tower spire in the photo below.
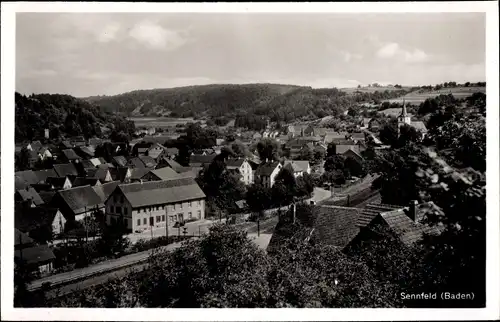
(404, 117)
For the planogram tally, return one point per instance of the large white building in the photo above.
(405, 119)
(243, 168)
(155, 203)
(266, 173)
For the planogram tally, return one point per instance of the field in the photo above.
(159, 122)
(418, 97)
(352, 90)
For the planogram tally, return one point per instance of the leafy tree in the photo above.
(318, 155)
(408, 134)
(285, 187)
(23, 160)
(430, 105)
(258, 198)
(389, 133)
(268, 149)
(306, 154)
(305, 185)
(106, 151)
(335, 162)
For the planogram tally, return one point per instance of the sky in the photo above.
(86, 54)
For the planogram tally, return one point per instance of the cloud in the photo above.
(156, 37)
(395, 51)
(109, 32)
(347, 56)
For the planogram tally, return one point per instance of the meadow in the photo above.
(420, 96)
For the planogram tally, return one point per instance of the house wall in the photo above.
(67, 184)
(88, 213)
(246, 173)
(45, 268)
(171, 212)
(117, 206)
(58, 223)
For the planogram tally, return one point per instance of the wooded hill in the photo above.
(64, 116)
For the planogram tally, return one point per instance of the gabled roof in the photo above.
(120, 160)
(66, 144)
(148, 161)
(27, 219)
(371, 211)
(42, 175)
(95, 161)
(161, 192)
(136, 162)
(80, 198)
(30, 194)
(341, 149)
(66, 169)
(171, 151)
(171, 163)
(87, 164)
(47, 196)
(201, 159)
(57, 182)
(266, 169)
(298, 165)
(336, 226)
(138, 173)
(98, 173)
(80, 181)
(164, 173)
(419, 125)
(28, 176)
(19, 183)
(356, 153)
(95, 141)
(234, 163)
(70, 154)
(35, 255)
(102, 160)
(106, 189)
(86, 151)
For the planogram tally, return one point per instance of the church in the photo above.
(405, 118)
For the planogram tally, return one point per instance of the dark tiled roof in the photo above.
(105, 190)
(102, 160)
(98, 173)
(27, 219)
(171, 151)
(47, 196)
(298, 165)
(371, 211)
(42, 175)
(30, 194)
(136, 163)
(336, 226)
(80, 181)
(171, 163)
(95, 141)
(80, 198)
(86, 151)
(36, 254)
(234, 163)
(29, 176)
(138, 173)
(201, 159)
(161, 192)
(57, 182)
(87, 164)
(148, 161)
(70, 154)
(120, 160)
(19, 183)
(64, 170)
(266, 169)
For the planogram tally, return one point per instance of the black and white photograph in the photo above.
(249, 159)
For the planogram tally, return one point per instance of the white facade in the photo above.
(268, 181)
(58, 223)
(246, 172)
(142, 218)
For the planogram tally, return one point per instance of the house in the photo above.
(27, 176)
(95, 161)
(341, 146)
(69, 155)
(60, 183)
(171, 152)
(155, 151)
(47, 196)
(66, 145)
(332, 136)
(38, 258)
(160, 174)
(94, 142)
(405, 119)
(119, 161)
(242, 167)
(297, 130)
(121, 174)
(408, 224)
(85, 164)
(102, 174)
(136, 174)
(30, 195)
(148, 161)
(374, 125)
(31, 220)
(77, 203)
(136, 163)
(66, 170)
(267, 172)
(39, 187)
(44, 153)
(200, 160)
(141, 148)
(336, 226)
(365, 123)
(78, 141)
(299, 167)
(81, 181)
(350, 153)
(85, 152)
(256, 136)
(105, 190)
(155, 203)
(357, 136)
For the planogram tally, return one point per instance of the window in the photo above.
(113, 220)
(125, 221)
(118, 210)
(158, 218)
(180, 205)
(190, 215)
(199, 214)
(111, 209)
(115, 198)
(199, 202)
(125, 211)
(190, 204)
(162, 217)
(121, 199)
(171, 218)
(145, 221)
(173, 206)
(139, 210)
(138, 222)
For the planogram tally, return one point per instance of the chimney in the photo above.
(412, 212)
(140, 181)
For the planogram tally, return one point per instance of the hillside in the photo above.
(64, 116)
(257, 101)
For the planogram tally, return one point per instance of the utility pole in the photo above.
(166, 222)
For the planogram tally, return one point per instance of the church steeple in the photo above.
(404, 117)
(403, 112)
